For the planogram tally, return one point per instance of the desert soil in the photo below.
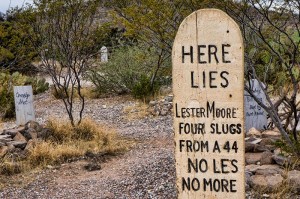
(146, 171)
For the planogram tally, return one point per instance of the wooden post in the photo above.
(24, 104)
(208, 87)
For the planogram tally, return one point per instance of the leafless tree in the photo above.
(62, 33)
(272, 38)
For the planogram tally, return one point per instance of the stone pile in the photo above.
(161, 107)
(267, 167)
(21, 138)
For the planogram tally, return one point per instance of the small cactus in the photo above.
(38, 85)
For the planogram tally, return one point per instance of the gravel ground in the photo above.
(147, 171)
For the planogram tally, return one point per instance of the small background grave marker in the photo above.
(255, 115)
(104, 54)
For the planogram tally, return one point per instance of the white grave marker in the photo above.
(104, 54)
(208, 85)
(255, 115)
(24, 104)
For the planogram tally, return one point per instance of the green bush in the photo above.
(7, 82)
(143, 88)
(129, 70)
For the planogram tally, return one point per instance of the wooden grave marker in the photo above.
(24, 104)
(208, 88)
(255, 115)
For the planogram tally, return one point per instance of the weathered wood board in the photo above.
(208, 88)
(24, 104)
(255, 115)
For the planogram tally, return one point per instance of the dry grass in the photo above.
(137, 111)
(285, 190)
(47, 153)
(67, 142)
(87, 92)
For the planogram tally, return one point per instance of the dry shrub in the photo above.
(48, 153)
(87, 130)
(59, 131)
(90, 93)
(9, 167)
(63, 131)
(285, 190)
(67, 142)
(58, 94)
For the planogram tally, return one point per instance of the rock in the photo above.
(275, 135)
(256, 141)
(277, 151)
(263, 148)
(253, 158)
(2, 144)
(5, 138)
(13, 132)
(165, 90)
(270, 182)
(92, 167)
(252, 168)
(108, 195)
(260, 149)
(250, 139)
(164, 112)
(294, 178)
(253, 132)
(18, 153)
(269, 170)
(50, 167)
(258, 180)
(33, 135)
(30, 133)
(30, 144)
(10, 147)
(280, 152)
(34, 125)
(18, 144)
(19, 138)
(267, 141)
(44, 134)
(169, 98)
(249, 147)
(152, 103)
(3, 151)
(247, 180)
(281, 160)
(266, 158)
(274, 181)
